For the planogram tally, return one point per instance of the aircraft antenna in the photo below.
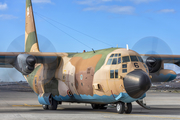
(65, 33)
(127, 47)
(73, 29)
(93, 50)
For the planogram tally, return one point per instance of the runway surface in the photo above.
(25, 106)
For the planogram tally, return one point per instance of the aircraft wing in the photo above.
(7, 59)
(165, 58)
(155, 65)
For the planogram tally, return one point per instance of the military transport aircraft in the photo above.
(110, 76)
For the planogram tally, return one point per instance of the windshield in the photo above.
(125, 59)
(133, 58)
(114, 59)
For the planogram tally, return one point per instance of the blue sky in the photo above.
(115, 22)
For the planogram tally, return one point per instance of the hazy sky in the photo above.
(111, 21)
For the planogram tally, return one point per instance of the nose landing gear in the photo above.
(53, 105)
(124, 107)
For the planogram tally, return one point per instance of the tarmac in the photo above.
(24, 106)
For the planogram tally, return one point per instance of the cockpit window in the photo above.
(140, 59)
(111, 73)
(119, 60)
(112, 55)
(125, 59)
(133, 58)
(109, 62)
(114, 61)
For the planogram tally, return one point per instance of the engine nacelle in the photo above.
(153, 64)
(25, 63)
(164, 75)
(157, 71)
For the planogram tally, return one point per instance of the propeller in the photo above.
(17, 45)
(152, 45)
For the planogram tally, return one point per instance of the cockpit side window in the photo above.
(109, 62)
(112, 55)
(125, 59)
(119, 60)
(114, 61)
(140, 59)
(116, 73)
(133, 58)
(112, 74)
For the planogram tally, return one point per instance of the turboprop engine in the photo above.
(153, 64)
(157, 71)
(25, 63)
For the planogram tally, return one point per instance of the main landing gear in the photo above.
(53, 105)
(124, 107)
(121, 107)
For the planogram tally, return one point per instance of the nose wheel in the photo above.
(122, 107)
(53, 105)
(128, 108)
(45, 107)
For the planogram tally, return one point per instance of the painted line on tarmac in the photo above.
(26, 105)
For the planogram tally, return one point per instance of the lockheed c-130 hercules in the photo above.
(110, 76)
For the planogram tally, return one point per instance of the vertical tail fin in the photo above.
(31, 41)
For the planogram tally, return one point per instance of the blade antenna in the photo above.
(93, 50)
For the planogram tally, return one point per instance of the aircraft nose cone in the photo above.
(136, 83)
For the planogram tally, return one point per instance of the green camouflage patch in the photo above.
(103, 52)
(28, 3)
(31, 40)
(31, 76)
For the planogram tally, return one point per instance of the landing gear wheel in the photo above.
(120, 107)
(95, 106)
(53, 105)
(128, 108)
(45, 107)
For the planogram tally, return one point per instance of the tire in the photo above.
(95, 106)
(120, 107)
(45, 107)
(53, 105)
(128, 109)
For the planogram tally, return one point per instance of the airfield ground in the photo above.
(24, 105)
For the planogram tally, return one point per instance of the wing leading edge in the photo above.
(7, 59)
(175, 59)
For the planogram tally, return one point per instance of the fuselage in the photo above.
(89, 77)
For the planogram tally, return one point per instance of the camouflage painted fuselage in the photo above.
(84, 77)
(81, 77)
